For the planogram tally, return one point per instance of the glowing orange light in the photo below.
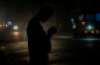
(85, 31)
(3, 25)
(83, 23)
(97, 31)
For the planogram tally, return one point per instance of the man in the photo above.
(38, 42)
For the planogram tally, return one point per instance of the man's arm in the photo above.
(49, 36)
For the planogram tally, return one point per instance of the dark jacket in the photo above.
(38, 41)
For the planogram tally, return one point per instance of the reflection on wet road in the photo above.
(65, 50)
(83, 51)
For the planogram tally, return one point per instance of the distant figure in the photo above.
(38, 41)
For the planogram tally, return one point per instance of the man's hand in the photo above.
(52, 31)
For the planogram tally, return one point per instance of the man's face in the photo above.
(45, 19)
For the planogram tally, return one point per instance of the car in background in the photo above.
(17, 27)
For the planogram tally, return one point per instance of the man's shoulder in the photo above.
(34, 25)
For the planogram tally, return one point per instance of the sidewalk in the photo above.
(53, 59)
(61, 59)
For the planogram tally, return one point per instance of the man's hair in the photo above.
(46, 10)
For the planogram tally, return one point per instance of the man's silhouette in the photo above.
(38, 42)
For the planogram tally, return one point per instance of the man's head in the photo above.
(45, 13)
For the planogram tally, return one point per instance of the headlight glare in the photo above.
(15, 27)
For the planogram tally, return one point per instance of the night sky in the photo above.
(24, 10)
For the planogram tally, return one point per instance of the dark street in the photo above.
(14, 46)
(70, 25)
(65, 50)
(75, 51)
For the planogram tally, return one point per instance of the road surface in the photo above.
(65, 50)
